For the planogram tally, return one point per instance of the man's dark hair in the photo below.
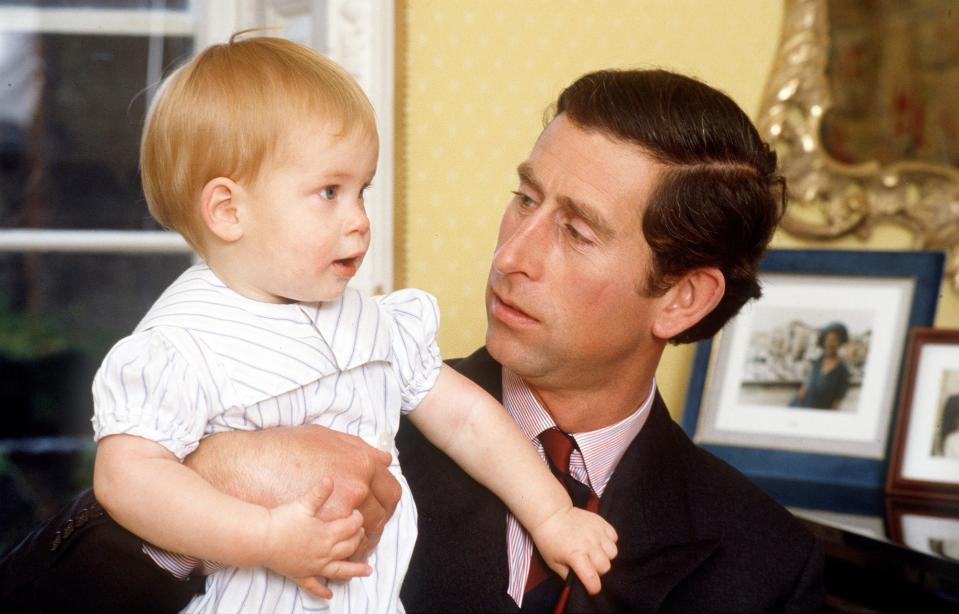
(719, 199)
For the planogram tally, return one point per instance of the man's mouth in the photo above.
(509, 313)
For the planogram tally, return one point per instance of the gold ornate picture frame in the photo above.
(830, 198)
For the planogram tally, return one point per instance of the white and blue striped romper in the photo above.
(205, 360)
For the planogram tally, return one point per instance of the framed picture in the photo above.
(925, 452)
(926, 526)
(801, 385)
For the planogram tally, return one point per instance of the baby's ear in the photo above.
(219, 208)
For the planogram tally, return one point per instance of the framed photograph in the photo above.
(926, 526)
(802, 384)
(925, 452)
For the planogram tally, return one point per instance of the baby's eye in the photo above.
(328, 193)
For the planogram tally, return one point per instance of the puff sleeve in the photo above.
(145, 387)
(414, 323)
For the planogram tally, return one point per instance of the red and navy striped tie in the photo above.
(545, 590)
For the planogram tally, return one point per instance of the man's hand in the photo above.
(279, 465)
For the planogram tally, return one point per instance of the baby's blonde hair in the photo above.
(225, 113)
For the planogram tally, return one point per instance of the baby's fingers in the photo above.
(314, 499)
(611, 533)
(345, 528)
(341, 571)
(609, 547)
(601, 563)
(584, 568)
(314, 586)
(346, 535)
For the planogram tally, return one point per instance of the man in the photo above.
(641, 215)
(640, 218)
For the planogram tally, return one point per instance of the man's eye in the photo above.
(328, 193)
(576, 235)
(523, 199)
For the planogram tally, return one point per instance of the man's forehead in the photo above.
(589, 166)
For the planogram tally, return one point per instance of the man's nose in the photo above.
(523, 246)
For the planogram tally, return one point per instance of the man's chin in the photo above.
(508, 349)
(499, 345)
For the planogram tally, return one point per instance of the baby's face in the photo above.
(306, 231)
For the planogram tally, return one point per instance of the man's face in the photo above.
(563, 302)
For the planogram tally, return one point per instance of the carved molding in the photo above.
(831, 199)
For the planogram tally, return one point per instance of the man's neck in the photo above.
(588, 406)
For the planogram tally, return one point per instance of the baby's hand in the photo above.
(300, 545)
(575, 539)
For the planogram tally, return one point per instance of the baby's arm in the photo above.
(149, 492)
(461, 419)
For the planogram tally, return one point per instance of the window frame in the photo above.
(358, 34)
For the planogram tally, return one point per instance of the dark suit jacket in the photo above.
(694, 533)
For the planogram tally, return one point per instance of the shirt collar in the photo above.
(601, 449)
(305, 341)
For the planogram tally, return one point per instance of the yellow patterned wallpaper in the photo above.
(479, 75)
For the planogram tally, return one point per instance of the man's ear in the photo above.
(219, 207)
(688, 301)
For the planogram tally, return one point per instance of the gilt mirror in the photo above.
(862, 105)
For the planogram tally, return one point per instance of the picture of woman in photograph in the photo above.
(949, 429)
(828, 381)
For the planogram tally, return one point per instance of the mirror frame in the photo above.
(831, 199)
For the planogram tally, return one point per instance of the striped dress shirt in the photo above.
(206, 360)
(592, 462)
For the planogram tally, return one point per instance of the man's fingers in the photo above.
(363, 549)
(341, 571)
(385, 494)
(386, 489)
(314, 586)
(381, 457)
(580, 563)
(348, 494)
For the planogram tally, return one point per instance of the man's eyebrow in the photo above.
(582, 210)
(589, 215)
(525, 172)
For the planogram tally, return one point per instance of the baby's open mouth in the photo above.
(346, 267)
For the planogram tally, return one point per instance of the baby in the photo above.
(258, 152)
